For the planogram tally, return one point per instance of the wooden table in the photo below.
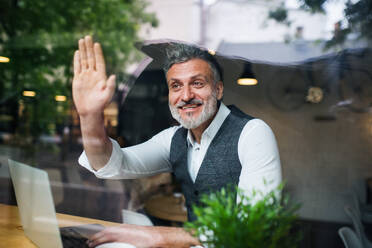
(11, 232)
(167, 207)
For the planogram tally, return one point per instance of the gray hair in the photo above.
(179, 53)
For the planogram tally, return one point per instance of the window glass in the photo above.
(310, 79)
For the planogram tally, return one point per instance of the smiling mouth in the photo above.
(190, 106)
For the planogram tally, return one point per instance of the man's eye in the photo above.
(175, 86)
(198, 83)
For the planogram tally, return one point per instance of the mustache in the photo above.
(192, 101)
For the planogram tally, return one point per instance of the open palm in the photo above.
(91, 89)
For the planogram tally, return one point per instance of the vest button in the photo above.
(196, 192)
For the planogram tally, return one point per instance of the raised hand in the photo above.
(91, 89)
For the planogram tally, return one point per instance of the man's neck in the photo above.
(198, 131)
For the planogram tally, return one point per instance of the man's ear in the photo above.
(219, 88)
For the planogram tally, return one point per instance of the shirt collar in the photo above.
(212, 129)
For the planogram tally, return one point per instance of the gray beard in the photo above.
(209, 109)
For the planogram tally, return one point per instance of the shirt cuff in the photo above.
(110, 168)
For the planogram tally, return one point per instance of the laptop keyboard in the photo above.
(72, 239)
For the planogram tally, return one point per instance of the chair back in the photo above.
(356, 205)
(359, 187)
(357, 225)
(349, 238)
(131, 217)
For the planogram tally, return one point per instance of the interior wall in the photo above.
(320, 159)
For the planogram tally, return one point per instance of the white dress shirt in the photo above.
(257, 151)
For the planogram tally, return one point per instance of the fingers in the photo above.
(77, 66)
(91, 56)
(100, 238)
(100, 60)
(90, 53)
(96, 239)
(83, 55)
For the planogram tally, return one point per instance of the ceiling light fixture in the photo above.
(247, 77)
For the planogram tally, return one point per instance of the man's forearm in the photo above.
(176, 237)
(145, 236)
(97, 144)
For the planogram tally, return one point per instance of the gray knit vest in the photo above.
(221, 166)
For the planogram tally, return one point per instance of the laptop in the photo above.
(37, 212)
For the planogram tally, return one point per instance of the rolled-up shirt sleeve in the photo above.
(259, 157)
(145, 159)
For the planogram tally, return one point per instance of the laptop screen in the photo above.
(35, 204)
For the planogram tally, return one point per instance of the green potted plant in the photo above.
(257, 220)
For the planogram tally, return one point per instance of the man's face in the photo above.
(192, 93)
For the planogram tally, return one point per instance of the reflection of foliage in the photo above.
(40, 37)
(280, 15)
(268, 222)
(313, 5)
(358, 18)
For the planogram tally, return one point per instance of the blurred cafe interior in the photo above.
(305, 69)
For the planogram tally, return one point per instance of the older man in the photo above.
(213, 147)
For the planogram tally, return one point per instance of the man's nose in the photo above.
(187, 94)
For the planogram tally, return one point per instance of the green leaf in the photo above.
(266, 223)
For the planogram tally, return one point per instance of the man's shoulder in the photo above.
(256, 126)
